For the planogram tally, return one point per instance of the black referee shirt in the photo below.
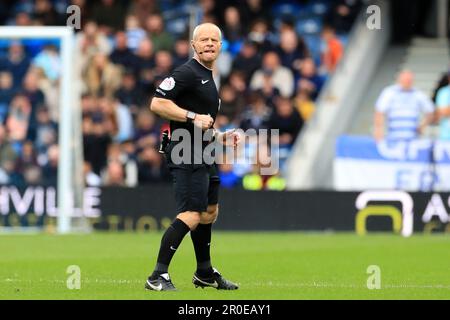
(191, 87)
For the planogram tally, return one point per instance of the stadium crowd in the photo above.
(275, 60)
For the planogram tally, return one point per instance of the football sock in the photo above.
(201, 238)
(169, 244)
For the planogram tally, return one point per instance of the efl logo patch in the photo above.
(167, 84)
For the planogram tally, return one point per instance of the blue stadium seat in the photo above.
(313, 42)
(285, 8)
(312, 25)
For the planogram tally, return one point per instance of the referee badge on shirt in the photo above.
(167, 84)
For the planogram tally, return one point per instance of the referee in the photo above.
(189, 99)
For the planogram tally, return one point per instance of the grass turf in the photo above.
(266, 265)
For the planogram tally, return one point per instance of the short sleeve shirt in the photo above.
(191, 86)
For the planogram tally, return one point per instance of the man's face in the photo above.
(207, 43)
(406, 80)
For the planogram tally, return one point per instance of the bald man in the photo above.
(189, 99)
(406, 110)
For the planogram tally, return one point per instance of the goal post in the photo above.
(69, 182)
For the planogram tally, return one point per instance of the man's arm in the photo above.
(379, 126)
(169, 110)
(426, 121)
(443, 112)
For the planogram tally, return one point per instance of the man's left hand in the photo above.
(230, 138)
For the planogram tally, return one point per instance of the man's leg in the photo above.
(206, 275)
(189, 184)
(201, 238)
(172, 238)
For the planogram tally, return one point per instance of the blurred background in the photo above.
(358, 89)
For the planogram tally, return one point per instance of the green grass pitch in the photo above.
(267, 265)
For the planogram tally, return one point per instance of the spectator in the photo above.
(135, 34)
(18, 119)
(32, 175)
(102, 76)
(260, 34)
(8, 157)
(90, 178)
(273, 74)
(146, 63)
(90, 42)
(95, 143)
(45, 13)
(309, 79)
(50, 170)
(152, 167)
(231, 104)
(147, 130)
(125, 128)
(46, 131)
(333, 49)
(23, 19)
(253, 10)
(115, 175)
(286, 119)
(181, 53)
(401, 106)
(16, 62)
(49, 61)
(27, 158)
(443, 110)
(109, 15)
(304, 104)
(248, 60)
(163, 65)
(130, 169)
(291, 50)
(130, 94)
(233, 29)
(161, 39)
(142, 8)
(342, 15)
(6, 94)
(36, 98)
(237, 81)
(121, 54)
(443, 81)
(257, 114)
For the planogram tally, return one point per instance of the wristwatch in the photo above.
(190, 116)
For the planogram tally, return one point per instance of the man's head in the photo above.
(207, 42)
(328, 33)
(145, 49)
(121, 40)
(155, 24)
(405, 79)
(271, 61)
(288, 40)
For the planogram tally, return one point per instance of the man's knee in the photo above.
(210, 215)
(190, 218)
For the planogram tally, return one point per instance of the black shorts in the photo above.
(196, 186)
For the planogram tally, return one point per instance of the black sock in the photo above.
(201, 238)
(170, 241)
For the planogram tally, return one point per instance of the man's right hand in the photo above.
(203, 121)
